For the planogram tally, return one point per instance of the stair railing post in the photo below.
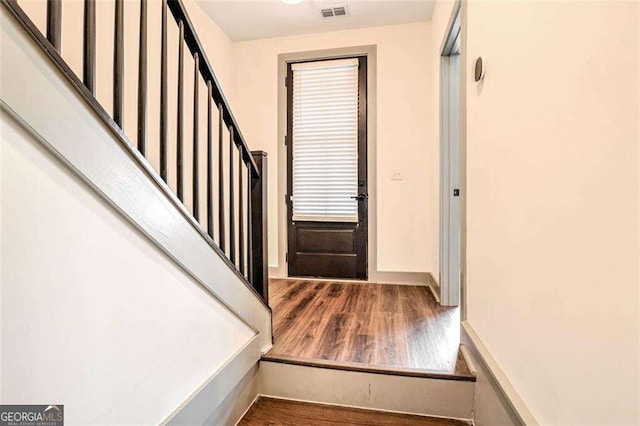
(259, 241)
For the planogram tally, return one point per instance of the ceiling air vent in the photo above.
(330, 12)
(340, 11)
(327, 13)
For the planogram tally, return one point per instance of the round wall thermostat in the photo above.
(479, 71)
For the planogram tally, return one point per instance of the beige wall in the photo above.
(552, 205)
(404, 131)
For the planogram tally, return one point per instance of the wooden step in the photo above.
(272, 411)
(461, 373)
(433, 396)
(365, 327)
(371, 346)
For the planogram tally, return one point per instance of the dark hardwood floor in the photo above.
(396, 328)
(269, 411)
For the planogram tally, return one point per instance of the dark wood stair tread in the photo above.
(380, 328)
(462, 372)
(271, 411)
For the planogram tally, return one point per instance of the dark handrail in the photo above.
(247, 258)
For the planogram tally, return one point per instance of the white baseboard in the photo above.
(236, 405)
(253, 401)
(380, 277)
(277, 272)
(226, 395)
(496, 401)
(400, 278)
(434, 287)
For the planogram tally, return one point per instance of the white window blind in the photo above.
(325, 141)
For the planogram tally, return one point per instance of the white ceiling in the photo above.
(254, 19)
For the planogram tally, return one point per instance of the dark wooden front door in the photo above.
(329, 248)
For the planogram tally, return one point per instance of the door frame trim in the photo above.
(453, 295)
(278, 265)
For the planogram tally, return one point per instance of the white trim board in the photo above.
(203, 404)
(451, 101)
(395, 278)
(64, 124)
(495, 395)
(434, 293)
(413, 395)
(434, 287)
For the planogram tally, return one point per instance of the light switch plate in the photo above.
(397, 174)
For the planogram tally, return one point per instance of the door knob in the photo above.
(361, 197)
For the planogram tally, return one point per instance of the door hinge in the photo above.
(287, 199)
(286, 257)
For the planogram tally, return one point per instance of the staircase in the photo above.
(229, 214)
(197, 320)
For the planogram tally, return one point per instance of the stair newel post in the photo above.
(259, 249)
